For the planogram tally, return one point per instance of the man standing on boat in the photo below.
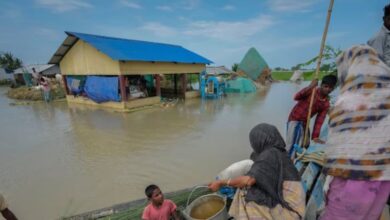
(381, 41)
(297, 120)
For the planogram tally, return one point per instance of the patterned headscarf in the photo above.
(359, 138)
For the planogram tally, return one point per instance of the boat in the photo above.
(133, 210)
(312, 181)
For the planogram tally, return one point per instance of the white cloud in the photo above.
(130, 4)
(228, 8)
(63, 5)
(216, 30)
(191, 4)
(291, 5)
(159, 29)
(164, 8)
(48, 33)
(223, 30)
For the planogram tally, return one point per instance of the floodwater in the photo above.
(58, 160)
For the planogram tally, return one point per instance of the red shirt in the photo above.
(301, 109)
(163, 212)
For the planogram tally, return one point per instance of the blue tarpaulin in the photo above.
(75, 84)
(102, 88)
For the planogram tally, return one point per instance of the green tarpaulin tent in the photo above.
(240, 85)
(252, 64)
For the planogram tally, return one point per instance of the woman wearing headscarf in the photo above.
(272, 188)
(358, 147)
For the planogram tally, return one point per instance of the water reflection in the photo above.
(67, 160)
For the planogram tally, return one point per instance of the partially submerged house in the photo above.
(122, 73)
(218, 70)
(24, 75)
(5, 74)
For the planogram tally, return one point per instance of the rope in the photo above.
(306, 134)
(317, 157)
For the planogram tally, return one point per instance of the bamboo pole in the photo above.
(306, 133)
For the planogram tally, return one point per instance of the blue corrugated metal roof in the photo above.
(134, 50)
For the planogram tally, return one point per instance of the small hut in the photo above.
(25, 74)
(218, 71)
(5, 75)
(297, 76)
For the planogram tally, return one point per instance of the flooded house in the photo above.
(25, 74)
(5, 75)
(122, 74)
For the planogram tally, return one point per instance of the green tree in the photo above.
(296, 67)
(278, 68)
(9, 62)
(328, 59)
(235, 67)
(325, 67)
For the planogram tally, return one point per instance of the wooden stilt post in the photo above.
(183, 82)
(175, 83)
(158, 84)
(65, 85)
(123, 88)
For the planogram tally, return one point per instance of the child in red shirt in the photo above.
(298, 116)
(158, 207)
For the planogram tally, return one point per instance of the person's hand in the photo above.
(244, 181)
(319, 141)
(215, 185)
(314, 83)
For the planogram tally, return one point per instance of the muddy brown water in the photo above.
(57, 160)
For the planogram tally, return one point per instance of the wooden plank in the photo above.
(136, 103)
(65, 85)
(144, 68)
(192, 94)
(309, 176)
(122, 86)
(86, 101)
(84, 59)
(183, 81)
(316, 200)
(158, 84)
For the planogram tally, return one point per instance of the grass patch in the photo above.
(282, 75)
(286, 75)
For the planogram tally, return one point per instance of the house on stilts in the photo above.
(122, 73)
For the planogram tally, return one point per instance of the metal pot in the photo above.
(220, 214)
